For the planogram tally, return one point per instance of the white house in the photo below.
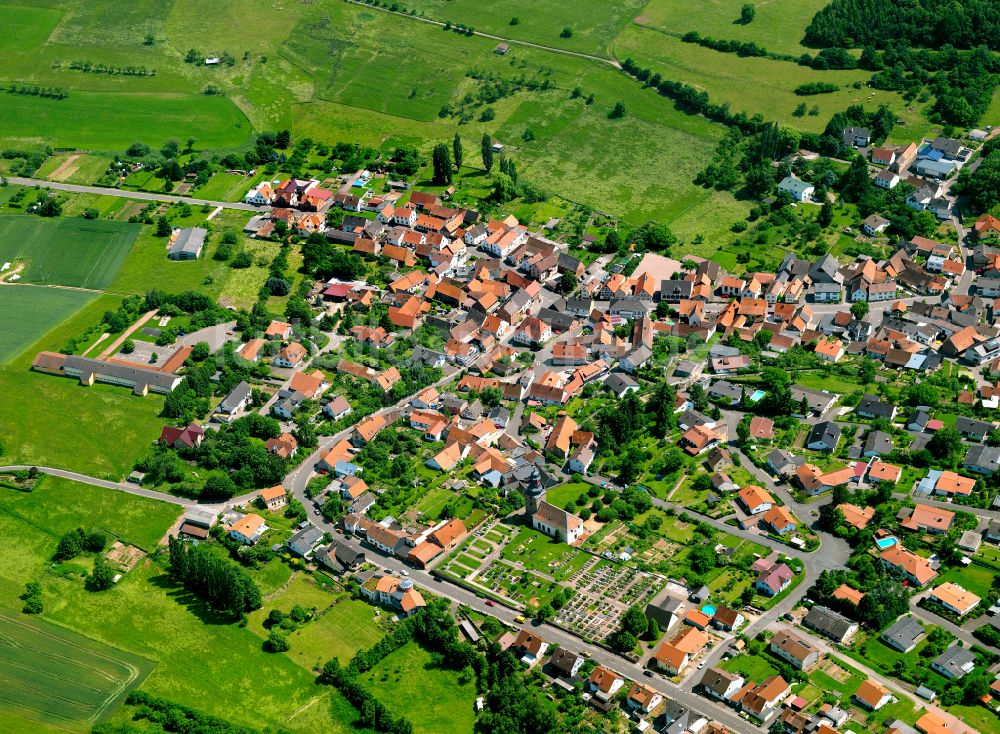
(798, 189)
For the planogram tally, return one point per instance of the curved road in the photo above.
(120, 486)
(140, 195)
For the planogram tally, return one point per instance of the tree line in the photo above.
(926, 23)
(224, 585)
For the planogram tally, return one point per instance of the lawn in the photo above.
(977, 579)
(68, 250)
(751, 667)
(340, 632)
(58, 505)
(568, 492)
(201, 660)
(54, 421)
(82, 680)
(27, 312)
(342, 625)
(110, 121)
(224, 187)
(431, 698)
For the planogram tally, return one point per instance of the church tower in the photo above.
(534, 493)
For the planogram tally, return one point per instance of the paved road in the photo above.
(141, 195)
(120, 486)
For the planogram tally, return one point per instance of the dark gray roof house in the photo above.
(903, 634)
(236, 400)
(725, 389)
(304, 541)
(972, 428)
(620, 384)
(918, 419)
(954, 662)
(782, 462)
(982, 459)
(874, 407)
(824, 436)
(829, 623)
(567, 663)
(188, 243)
(877, 443)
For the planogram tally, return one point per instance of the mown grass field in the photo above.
(51, 676)
(778, 26)
(432, 698)
(111, 121)
(594, 23)
(53, 421)
(65, 250)
(753, 85)
(27, 311)
(201, 660)
(59, 505)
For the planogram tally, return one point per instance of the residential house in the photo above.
(247, 529)
(872, 695)
(798, 189)
(955, 662)
(904, 634)
(915, 569)
(398, 594)
(830, 624)
(762, 701)
(954, 598)
(720, 685)
(273, 498)
(755, 500)
(794, 650)
(642, 698)
(824, 436)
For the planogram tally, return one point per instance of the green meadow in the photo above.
(27, 311)
(66, 250)
(778, 26)
(593, 23)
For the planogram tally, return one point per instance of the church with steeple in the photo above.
(549, 519)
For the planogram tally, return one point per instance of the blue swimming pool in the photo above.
(757, 395)
(884, 543)
(709, 610)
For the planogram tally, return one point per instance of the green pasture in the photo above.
(104, 120)
(433, 699)
(594, 23)
(29, 311)
(59, 505)
(54, 421)
(778, 26)
(752, 85)
(49, 675)
(66, 251)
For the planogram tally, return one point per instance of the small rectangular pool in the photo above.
(757, 395)
(884, 543)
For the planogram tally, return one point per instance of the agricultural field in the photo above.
(432, 698)
(60, 505)
(27, 311)
(82, 680)
(185, 629)
(49, 438)
(74, 167)
(754, 85)
(111, 120)
(593, 23)
(66, 251)
(779, 25)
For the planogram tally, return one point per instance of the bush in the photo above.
(277, 641)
